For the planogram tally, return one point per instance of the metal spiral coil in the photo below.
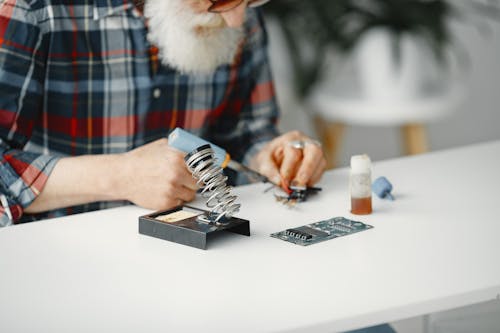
(209, 176)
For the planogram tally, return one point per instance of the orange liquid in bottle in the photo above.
(361, 206)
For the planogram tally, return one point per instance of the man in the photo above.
(85, 106)
(87, 101)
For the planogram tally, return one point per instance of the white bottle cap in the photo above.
(360, 163)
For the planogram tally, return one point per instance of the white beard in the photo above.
(172, 28)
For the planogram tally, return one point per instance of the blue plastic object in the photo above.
(187, 142)
(382, 188)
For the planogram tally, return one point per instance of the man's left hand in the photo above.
(292, 158)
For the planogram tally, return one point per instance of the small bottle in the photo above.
(360, 185)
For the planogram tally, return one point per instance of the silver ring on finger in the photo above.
(297, 144)
(300, 144)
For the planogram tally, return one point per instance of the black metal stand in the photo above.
(191, 231)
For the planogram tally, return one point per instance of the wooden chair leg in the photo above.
(330, 134)
(415, 139)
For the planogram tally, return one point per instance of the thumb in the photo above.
(269, 169)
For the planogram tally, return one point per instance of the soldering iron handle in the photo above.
(187, 142)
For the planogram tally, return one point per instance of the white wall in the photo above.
(477, 120)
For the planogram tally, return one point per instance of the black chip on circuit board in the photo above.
(320, 231)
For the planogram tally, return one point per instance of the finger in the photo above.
(185, 178)
(170, 203)
(183, 193)
(278, 155)
(190, 182)
(269, 168)
(291, 161)
(318, 173)
(313, 155)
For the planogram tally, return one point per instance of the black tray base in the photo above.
(189, 231)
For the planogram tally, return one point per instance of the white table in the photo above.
(434, 248)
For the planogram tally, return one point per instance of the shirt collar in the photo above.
(103, 8)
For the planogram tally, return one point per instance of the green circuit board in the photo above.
(321, 231)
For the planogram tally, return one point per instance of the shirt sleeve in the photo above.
(250, 118)
(22, 174)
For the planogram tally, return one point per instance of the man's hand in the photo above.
(155, 176)
(284, 164)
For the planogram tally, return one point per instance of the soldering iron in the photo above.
(187, 142)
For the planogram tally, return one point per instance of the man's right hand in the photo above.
(155, 176)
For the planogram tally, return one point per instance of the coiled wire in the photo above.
(209, 176)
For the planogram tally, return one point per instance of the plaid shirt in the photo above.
(80, 77)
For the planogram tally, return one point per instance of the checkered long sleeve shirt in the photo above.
(80, 77)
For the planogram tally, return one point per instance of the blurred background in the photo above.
(390, 78)
(387, 77)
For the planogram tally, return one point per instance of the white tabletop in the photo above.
(433, 248)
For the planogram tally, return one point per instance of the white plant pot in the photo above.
(382, 77)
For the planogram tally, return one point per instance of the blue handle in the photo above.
(187, 142)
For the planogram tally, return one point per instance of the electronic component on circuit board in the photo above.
(321, 231)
